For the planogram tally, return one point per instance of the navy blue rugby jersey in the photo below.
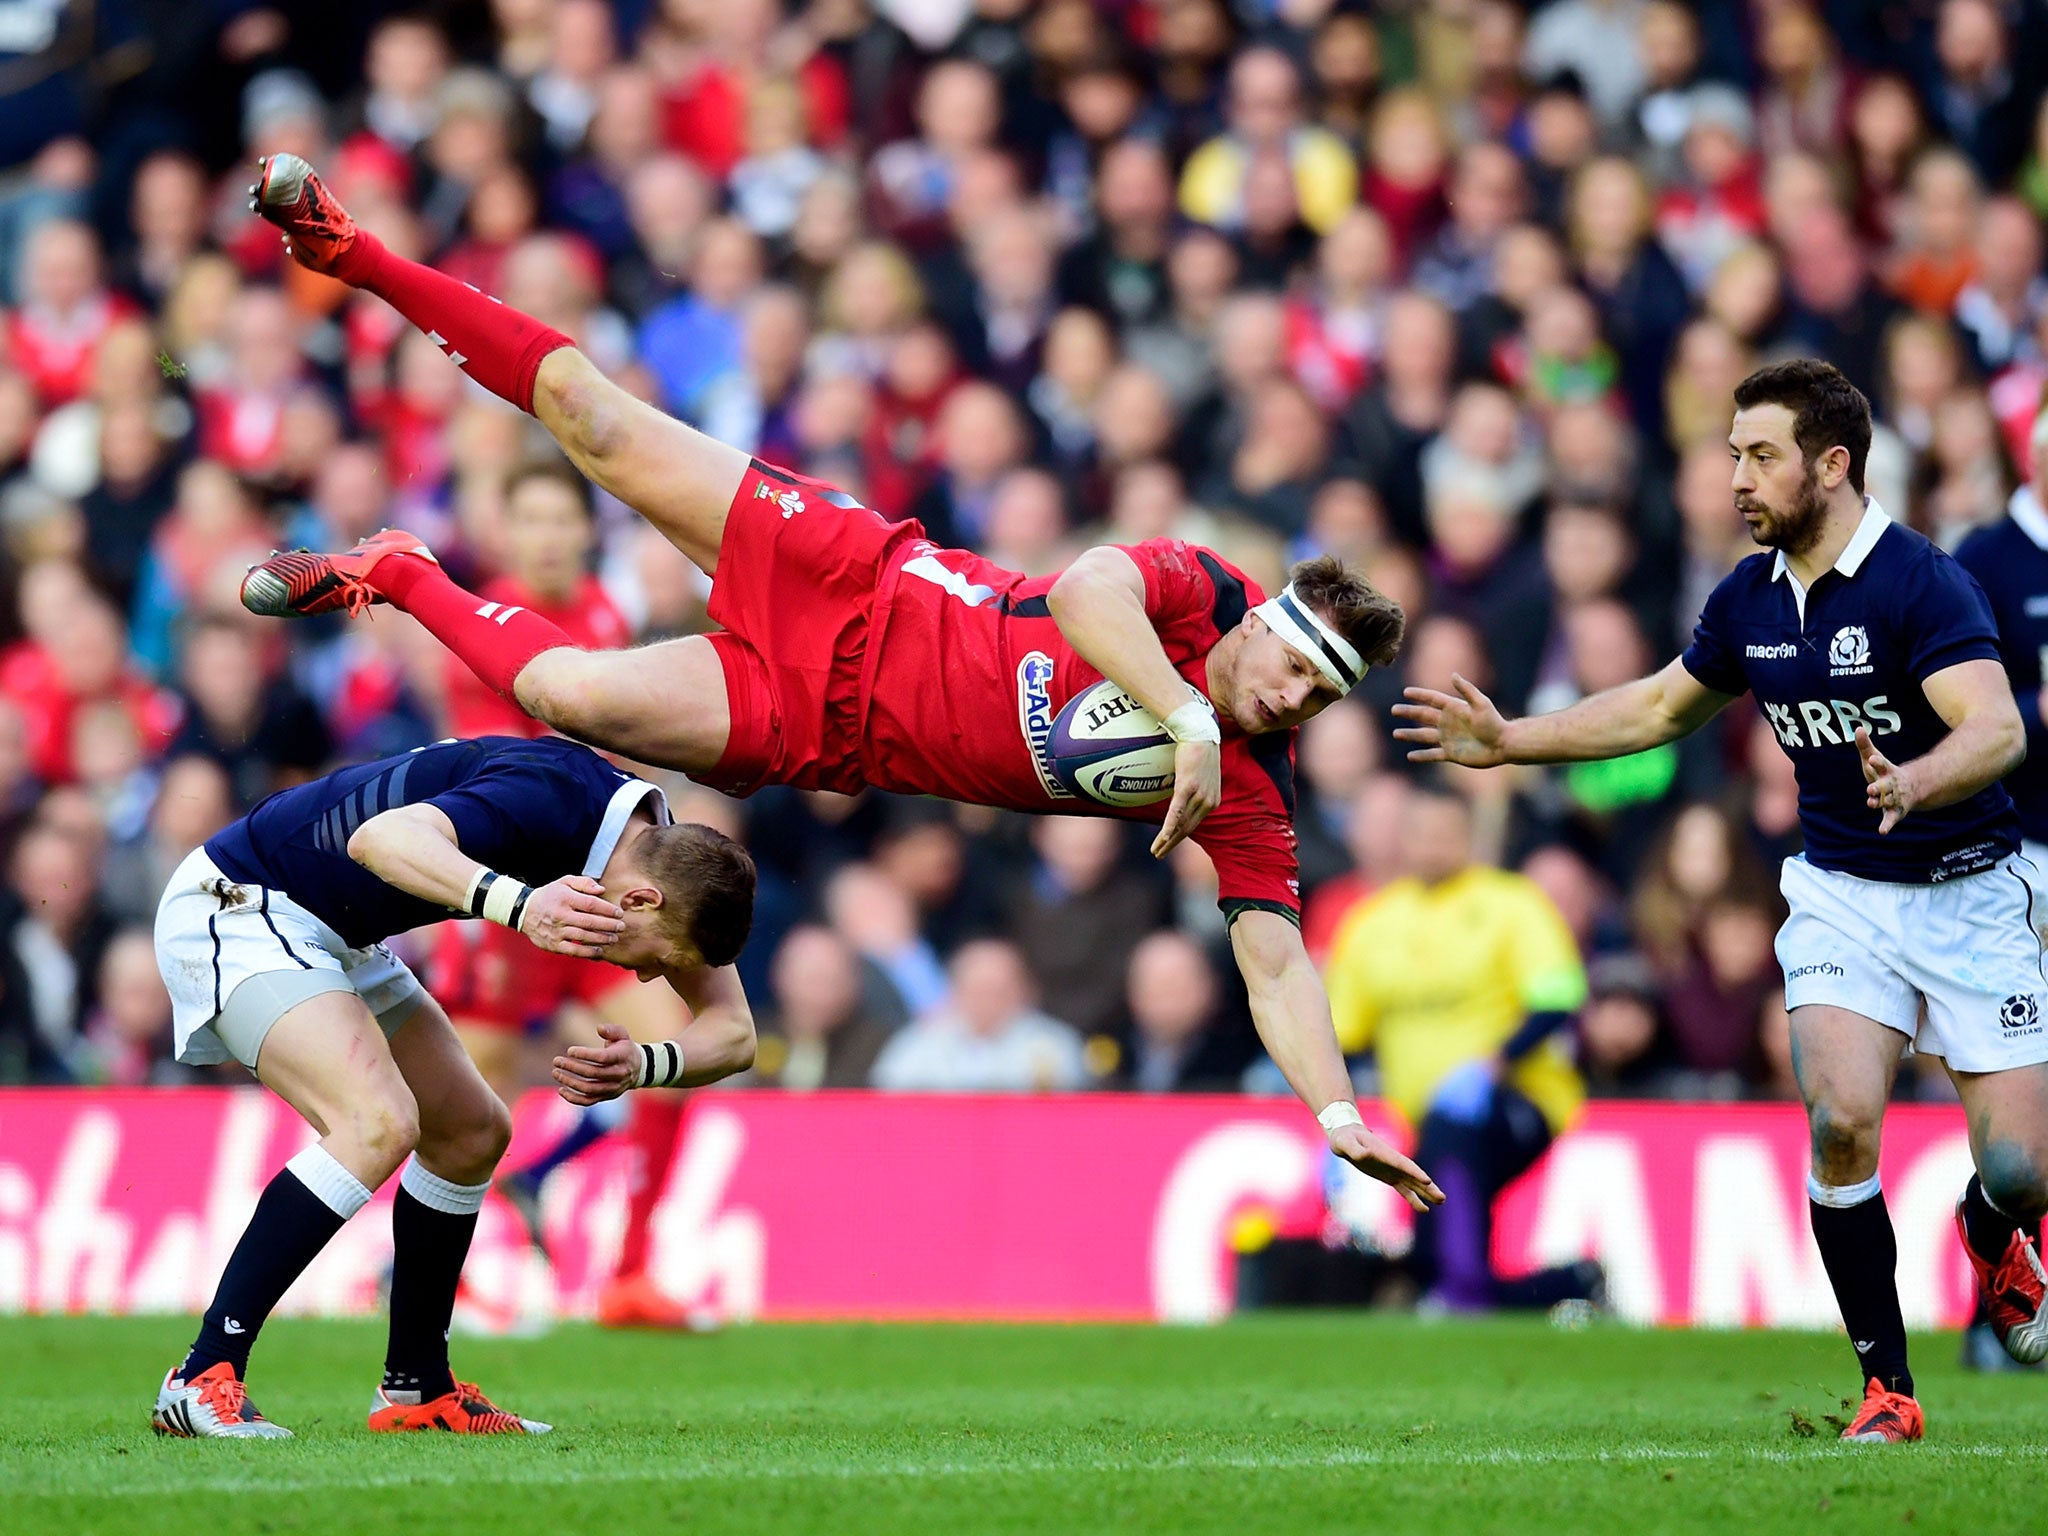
(2010, 561)
(1854, 651)
(535, 810)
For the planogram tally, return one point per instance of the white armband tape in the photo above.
(496, 898)
(661, 1066)
(1337, 1115)
(1193, 721)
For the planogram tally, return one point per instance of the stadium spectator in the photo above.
(1263, 109)
(127, 1041)
(1078, 917)
(54, 933)
(988, 1039)
(1174, 1044)
(262, 730)
(821, 1034)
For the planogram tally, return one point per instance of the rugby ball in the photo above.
(1107, 747)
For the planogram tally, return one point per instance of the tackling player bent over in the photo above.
(855, 652)
(269, 940)
(1876, 662)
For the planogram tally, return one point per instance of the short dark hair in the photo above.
(707, 887)
(1827, 410)
(1359, 611)
(555, 468)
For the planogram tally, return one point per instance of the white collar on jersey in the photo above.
(1861, 542)
(2025, 510)
(625, 800)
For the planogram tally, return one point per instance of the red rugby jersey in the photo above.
(966, 671)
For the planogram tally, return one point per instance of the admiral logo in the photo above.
(1818, 968)
(1849, 652)
(1034, 715)
(1784, 652)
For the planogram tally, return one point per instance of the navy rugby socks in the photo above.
(1857, 1245)
(300, 1211)
(432, 1222)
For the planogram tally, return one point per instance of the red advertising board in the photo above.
(858, 1205)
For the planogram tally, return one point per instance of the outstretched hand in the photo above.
(1377, 1159)
(1887, 787)
(1462, 727)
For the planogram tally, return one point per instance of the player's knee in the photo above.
(467, 1140)
(2014, 1179)
(386, 1125)
(582, 409)
(1845, 1140)
(556, 687)
(488, 1137)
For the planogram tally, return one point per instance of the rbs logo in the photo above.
(1830, 722)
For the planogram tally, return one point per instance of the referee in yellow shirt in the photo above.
(1462, 979)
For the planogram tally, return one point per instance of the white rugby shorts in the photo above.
(213, 935)
(1970, 949)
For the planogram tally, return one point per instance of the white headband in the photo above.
(1309, 633)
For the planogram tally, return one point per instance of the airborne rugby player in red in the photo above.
(856, 652)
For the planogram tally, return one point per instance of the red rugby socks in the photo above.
(494, 640)
(498, 347)
(652, 1132)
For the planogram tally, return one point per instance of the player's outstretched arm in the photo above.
(1293, 1017)
(676, 477)
(1465, 727)
(1099, 605)
(414, 848)
(1986, 741)
(717, 1042)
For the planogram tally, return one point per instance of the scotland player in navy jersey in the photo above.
(2010, 561)
(270, 942)
(1875, 660)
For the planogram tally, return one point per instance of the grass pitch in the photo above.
(1284, 1424)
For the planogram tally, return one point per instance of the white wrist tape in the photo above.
(496, 898)
(661, 1066)
(1193, 721)
(1337, 1115)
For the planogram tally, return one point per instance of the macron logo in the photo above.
(232, 1326)
(1784, 652)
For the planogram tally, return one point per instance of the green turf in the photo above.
(1285, 1424)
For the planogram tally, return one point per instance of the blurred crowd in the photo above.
(1458, 290)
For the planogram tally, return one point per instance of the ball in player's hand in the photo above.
(1106, 747)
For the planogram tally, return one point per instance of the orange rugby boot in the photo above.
(465, 1411)
(212, 1404)
(635, 1301)
(317, 229)
(2015, 1292)
(1885, 1417)
(301, 584)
